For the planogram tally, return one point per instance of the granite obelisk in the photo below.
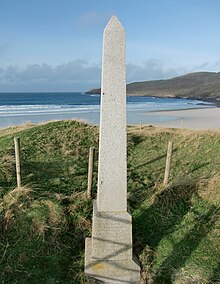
(108, 253)
(112, 172)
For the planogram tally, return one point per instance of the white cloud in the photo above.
(213, 66)
(81, 75)
(73, 76)
(151, 69)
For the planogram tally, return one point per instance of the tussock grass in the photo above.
(43, 225)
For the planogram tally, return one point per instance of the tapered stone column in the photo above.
(112, 173)
(109, 256)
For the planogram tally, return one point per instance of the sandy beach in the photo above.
(206, 118)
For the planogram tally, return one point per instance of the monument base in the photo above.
(108, 253)
(110, 271)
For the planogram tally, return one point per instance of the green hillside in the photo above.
(43, 226)
(199, 85)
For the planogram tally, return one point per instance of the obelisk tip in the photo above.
(114, 23)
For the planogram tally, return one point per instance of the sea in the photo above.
(21, 108)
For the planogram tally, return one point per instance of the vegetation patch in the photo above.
(43, 225)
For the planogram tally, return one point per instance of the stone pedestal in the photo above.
(109, 252)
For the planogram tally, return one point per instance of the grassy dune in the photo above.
(43, 226)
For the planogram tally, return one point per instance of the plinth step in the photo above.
(111, 271)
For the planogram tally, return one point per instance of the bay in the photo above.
(20, 108)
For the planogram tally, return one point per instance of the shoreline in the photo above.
(194, 118)
(206, 100)
(202, 118)
(183, 109)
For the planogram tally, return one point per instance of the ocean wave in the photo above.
(153, 104)
(45, 109)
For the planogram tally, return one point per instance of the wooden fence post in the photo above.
(141, 125)
(18, 161)
(181, 122)
(90, 171)
(168, 163)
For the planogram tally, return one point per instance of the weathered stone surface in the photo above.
(108, 253)
(111, 271)
(112, 172)
(112, 235)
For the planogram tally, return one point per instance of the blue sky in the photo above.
(56, 45)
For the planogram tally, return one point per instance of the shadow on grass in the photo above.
(197, 167)
(135, 139)
(158, 216)
(183, 250)
(216, 275)
(153, 160)
(55, 175)
(152, 223)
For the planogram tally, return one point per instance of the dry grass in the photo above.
(176, 228)
(15, 129)
(210, 190)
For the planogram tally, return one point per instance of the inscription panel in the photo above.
(112, 236)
